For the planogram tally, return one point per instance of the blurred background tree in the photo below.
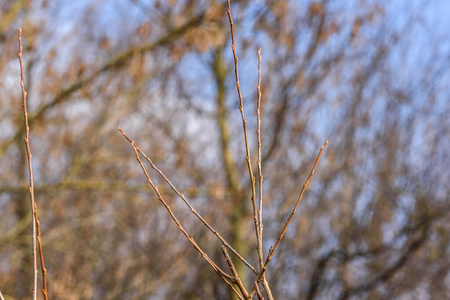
(371, 76)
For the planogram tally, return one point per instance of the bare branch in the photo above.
(235, 274)
(244, 124)
(260, 176)
(258, 162)
(30, 169)
(389, 272)
(274, 248)
(218, 270)
(216, 233)
(41, 254)
(258, 292)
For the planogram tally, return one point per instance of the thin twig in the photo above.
(244, 125)
(216, 233)
(218, 270)
(274, 248)
(30, 169)
(258, 292)
(1, 296)
(258, 162)
(261, 178)
(44, 270)
(234, 272)
(235, 291)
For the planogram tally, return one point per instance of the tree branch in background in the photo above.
(36, 232)
(343, 256)
(384, 275)
(117, 61)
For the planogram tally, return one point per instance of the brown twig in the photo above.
(244, 125)
(227, 278)
(30, 169)
(257, 213)
(258, 292)
(234, 272)
(258, 162)
(44, 270)
(274, 248)
(261, 178)
(216, 233)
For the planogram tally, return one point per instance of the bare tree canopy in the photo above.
(372, 77)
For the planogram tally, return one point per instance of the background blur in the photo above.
(371, 76)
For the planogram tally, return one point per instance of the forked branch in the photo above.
(192, 209)
(257, 213)
(244, 125)
(227, 278)
(274, 248)
(234, 279)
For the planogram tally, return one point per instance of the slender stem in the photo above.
(261, 178)
(258, 162)
(44, 270)
(216, 233)
(227, 278)
(233, 271)
(274, 248)
(30, 169)
(244, 125)
(258, 292)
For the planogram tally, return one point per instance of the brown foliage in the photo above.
(363, 75)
